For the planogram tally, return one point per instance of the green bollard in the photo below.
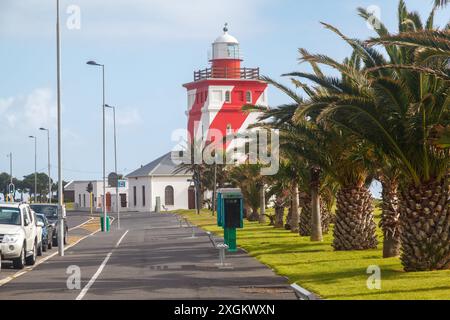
(230, 239)
(107, 224)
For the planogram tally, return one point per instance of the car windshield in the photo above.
(48, 211)
(10, 216)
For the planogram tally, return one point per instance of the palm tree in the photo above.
(394, 106)
(441, 3)
(279, 186)
(247, 177)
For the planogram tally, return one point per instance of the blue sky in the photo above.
(150, 48)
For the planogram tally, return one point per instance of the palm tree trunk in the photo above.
(279, 215)
(390, 223)
(287, 226)
(305, 214)
(262, 205)
(325, 217)
(294, 214)
(425, 226)
(254, 216)
(305, 202)
(355, 227)
(316, 221)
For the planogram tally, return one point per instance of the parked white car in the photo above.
(39, 232)
(18, 234)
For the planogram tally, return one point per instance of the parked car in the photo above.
(51, 213)
(38, 232)
(47, 232)
(18, 234)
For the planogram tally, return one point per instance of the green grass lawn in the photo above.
(330, 274)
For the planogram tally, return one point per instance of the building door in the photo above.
(123, 200)
(191, 197)
(108, 202)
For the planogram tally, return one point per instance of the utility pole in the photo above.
(215, 189)
(35, 167)
(11, 187)
(58, 91)
(49, 178)
(115, 166)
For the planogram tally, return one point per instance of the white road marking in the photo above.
(82, 224)
(99, 270)
(40, 261)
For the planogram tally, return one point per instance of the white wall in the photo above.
(180, 187)
(81, 194)
(139, 183)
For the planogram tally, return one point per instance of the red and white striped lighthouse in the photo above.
(218, 93)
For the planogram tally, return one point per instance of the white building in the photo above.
(158, 179)
(82, 196)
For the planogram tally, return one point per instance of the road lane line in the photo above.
(99, 270)
(40, 261)
(81, 224)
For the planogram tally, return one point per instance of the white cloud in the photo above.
(40, 109)
(125, 117)
(157, 19)
(5, 104)
(24, 114)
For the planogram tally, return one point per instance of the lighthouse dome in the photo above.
(226, 37)
(226, 47)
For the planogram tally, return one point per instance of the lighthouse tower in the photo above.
(218, 93)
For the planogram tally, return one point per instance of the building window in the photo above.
(143, 196)
(79, 199)
(227, 96)
(134, 196)
(168, 196)
(248, 97)
(84, 200)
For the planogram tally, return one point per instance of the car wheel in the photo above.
(31, 260)
(19, 263)
(55, 239)
(39, 249)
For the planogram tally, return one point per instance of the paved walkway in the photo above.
(151, 257)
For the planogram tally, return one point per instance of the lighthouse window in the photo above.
(227, 96)
(233, 51)
(248, 97)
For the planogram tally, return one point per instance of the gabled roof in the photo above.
(70, 186)
(163, 166)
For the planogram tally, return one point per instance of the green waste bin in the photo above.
(102, 224)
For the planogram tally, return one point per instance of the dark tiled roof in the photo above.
(161, 166)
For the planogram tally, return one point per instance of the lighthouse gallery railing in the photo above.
(227, 73)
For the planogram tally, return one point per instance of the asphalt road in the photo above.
(151, 257)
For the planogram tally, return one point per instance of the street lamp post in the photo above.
(35, 167)
(49, 179)
(115, 165)
(93, 63)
